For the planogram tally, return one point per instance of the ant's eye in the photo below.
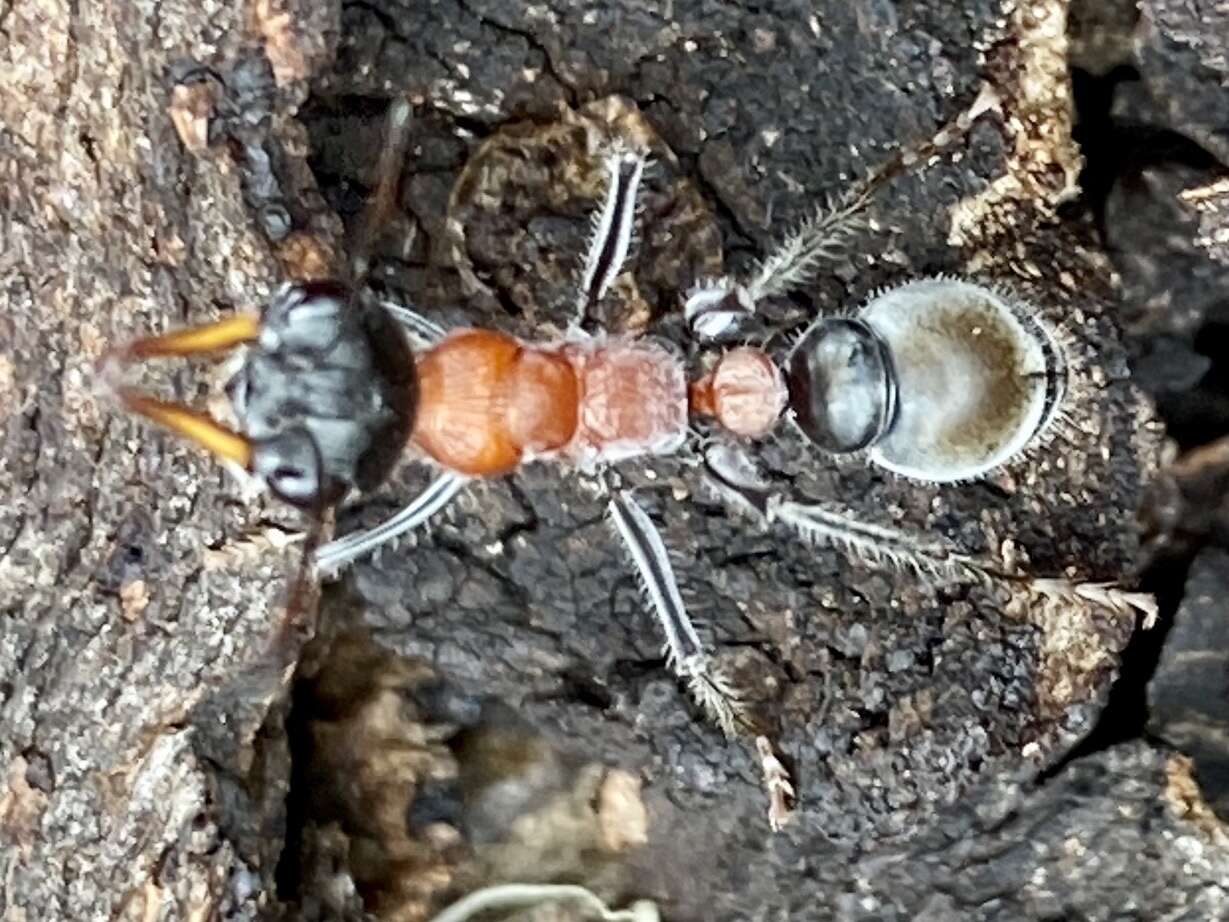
(290, 464)
(841, 385)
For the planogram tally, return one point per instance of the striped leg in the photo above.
(423, 333)
(684, 651)
(336, 554)
(612, 230)
(733, 477)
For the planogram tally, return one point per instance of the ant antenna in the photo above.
(382, 205)
(303, 587)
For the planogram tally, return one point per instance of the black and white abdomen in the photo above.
(939, 379)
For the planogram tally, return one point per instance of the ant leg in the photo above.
(684, 652)
(937, 559)
(336, 554)
(877, 543)
(426, 332)
(736, 481)
(777, 783)
(612, 230)
(717, 306)
(382, 204)
(732, 474)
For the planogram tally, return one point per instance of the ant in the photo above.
(939, 379)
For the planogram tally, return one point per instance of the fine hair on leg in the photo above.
(612, 228)
(336, 554)
(685, 653)
(714, 307)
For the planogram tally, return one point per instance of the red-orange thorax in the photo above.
(488, 402)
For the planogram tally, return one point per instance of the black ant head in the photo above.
(842, 387)
(325, 397)
(333, 368)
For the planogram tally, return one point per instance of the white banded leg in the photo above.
(685, 653)
(934, 558)
(734, 478)
(336, 554)
(425, 332)
(613, 224)
(880, 544)
(716, 306)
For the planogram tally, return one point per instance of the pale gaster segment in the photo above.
(939, 379)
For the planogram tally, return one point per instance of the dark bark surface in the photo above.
(489, 702)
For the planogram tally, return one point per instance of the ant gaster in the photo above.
(938, 379)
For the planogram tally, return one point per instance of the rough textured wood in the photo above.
(151, 764)
(139, 600)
